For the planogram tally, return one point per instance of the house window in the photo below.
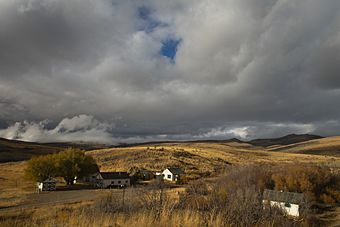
(113, 182)
(169, 176)
(287, 205)
(119, 182)
(126, 181)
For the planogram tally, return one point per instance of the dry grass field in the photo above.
(204, 160)
(197, 159)
(13, 186)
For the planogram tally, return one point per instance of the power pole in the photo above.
(123, 196)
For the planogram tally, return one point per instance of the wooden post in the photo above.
(123, 196)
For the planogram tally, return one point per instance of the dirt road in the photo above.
(37, 200)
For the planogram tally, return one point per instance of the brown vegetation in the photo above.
(231, 177)
(234, 199)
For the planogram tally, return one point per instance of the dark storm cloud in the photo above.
(242, 68)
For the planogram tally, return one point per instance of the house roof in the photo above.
(286, 197)
(49, 180)
(175, 170)
(114, 175)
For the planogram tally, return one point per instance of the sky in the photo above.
(113, 71)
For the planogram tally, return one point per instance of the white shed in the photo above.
(289, 202)
(172, 174)
(47, 185)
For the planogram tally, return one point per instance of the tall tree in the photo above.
(41, 168)
(68, 164)
(73, 163)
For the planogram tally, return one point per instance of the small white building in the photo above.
(112, 179)
(172, 174)
(47, 185)
(289, 202)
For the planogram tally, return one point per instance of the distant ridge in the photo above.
(285, 140)
(16, 150)
(232, 140)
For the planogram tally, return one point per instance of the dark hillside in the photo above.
(285, 140)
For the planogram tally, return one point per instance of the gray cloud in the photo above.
(240, 66)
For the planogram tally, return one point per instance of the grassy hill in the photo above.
(323, 146)
(14, 150)
(285, 140)
(17, 150)
(197, 159)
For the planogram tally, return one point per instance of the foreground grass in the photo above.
(14, 187)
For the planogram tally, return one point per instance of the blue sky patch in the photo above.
(169, 48)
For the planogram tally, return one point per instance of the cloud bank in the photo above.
(105, 69)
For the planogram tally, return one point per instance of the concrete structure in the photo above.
(112, 179)
(172, 174)
(47, 185)
(289, 202)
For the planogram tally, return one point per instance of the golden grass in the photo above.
(197, 159)
(75, 215)
(13, 186)
(324, 146)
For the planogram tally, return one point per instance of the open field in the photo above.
(14, 187)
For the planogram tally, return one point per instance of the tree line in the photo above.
(68, 164)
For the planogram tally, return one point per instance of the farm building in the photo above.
(172, 174)
(90, 178)
(289, 202)
(112, 179)
(47, 185)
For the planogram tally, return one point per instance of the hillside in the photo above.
(14, 150)
(197, 159)
(285, 140)
(324, 146)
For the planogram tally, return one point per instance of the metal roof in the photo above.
(285, 197)
(175, 170)
(114, 175)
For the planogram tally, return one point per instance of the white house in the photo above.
(172, 174)
(47, 185)
(112, 179)
(289, 202)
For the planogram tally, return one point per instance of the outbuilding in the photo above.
(49, 184)
(289, 202)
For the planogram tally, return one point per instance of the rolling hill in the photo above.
(14, 150)
(198, 159)
(285, 140)
(323, 146)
